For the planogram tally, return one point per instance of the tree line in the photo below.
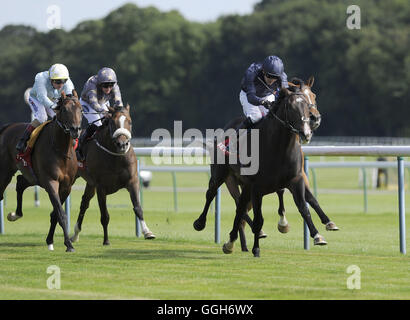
(170, 68)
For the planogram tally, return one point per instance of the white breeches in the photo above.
(39, 111)
(255, 113)
(91, 115)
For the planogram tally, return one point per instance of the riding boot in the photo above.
(83, 139)
(21, 145)
(246, 124)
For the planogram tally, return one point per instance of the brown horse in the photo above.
(219, 172)
(110, 165)
(54, 163)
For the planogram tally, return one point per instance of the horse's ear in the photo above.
(75, 94)
(284, 92)
(127, 107)
(310, 81)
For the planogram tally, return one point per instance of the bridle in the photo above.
(114, 135)
(61, 124)
(286, 123)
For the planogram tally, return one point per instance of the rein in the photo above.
(114, 135)
(286, 122)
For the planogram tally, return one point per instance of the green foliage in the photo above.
(173, 69)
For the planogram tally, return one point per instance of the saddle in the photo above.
(25, 157)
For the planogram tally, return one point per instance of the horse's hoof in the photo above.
(245, 249)
(12, 216)
(75, 238)
(70, 250)
(262, 235)
(256, 252)
(227, 248)
(106, 243)
(283, 229)
(319, 240)
(149, 236)
(331, 226)
(198, 225)
(50, 247)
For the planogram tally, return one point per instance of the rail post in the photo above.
(402, 213)
(218, 216)
(137, 221)
(306, 233)
(1, 217)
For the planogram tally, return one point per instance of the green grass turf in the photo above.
(185, 264)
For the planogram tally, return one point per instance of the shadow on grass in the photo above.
(158, 254)
(19, 244)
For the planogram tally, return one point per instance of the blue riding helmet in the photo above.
(106, 75)
(273, 66)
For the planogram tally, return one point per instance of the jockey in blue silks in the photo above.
(260, 87)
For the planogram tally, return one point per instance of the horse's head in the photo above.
(69, 114)
(293, 112)
(120, 128)
(306, 88)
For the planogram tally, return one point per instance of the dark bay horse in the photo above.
(110, 165)
(281, 166)
(220, 173)
(54, 163)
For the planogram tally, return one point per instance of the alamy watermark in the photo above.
(54, 281)
(353, 21)
(353, 282)
(53, 17)
(243, 147)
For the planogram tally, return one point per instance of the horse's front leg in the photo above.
(58, 214)
(105, 216)
(257, 220)
(133, 189)
(85, 202)
(330, 225)
(297, 187)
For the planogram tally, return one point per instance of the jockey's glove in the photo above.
(266, 103)
(54, 106)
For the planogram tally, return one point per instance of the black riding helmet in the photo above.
(273, 66)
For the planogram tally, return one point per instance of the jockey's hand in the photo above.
(266, 103)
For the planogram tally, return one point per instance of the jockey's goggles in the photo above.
(59, 81)
(271, 76)
(108, 84)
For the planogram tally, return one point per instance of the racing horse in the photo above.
(54, 162)
(110, 164)
(220, 174)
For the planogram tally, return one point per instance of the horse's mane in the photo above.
(4, 127)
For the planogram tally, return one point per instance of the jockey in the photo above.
(260, 87)
(44, 96)
(100, 91)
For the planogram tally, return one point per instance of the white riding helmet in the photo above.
(58, 71)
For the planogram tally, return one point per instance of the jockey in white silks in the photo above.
(44, 96)
(100, 91)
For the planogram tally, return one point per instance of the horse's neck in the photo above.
(278, 138)
(104, 137)
(62, 141)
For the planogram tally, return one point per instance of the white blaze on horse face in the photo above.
(122, 130)
(306, 92)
